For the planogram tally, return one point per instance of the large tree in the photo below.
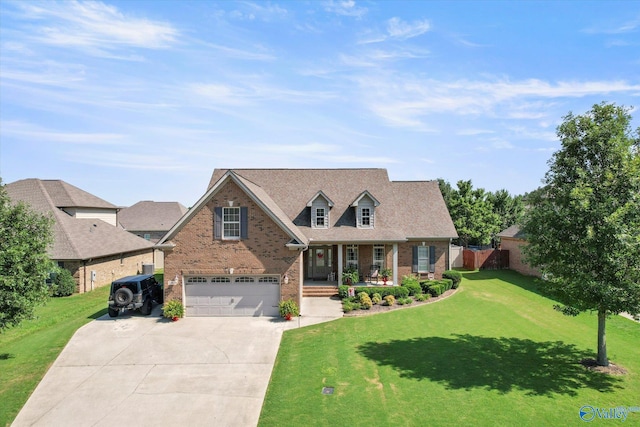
(583, 226)
(472, 213)
(24, 265)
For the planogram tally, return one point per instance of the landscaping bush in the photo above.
(343, 291)
(422, 297)
(63, 283)
(412, 284)
(389, 300)
(376, 298)
(347, 306)
(396, 291)
(405, 301)
(365, 300)
(454, 275)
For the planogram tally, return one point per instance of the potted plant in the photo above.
(173, 310)
(288, 309)
(386, 273)
(350, 276)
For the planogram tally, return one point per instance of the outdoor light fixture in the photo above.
(285, 279)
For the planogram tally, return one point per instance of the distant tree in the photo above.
(24, 264)
(583, 226)
(508, 208)
(472, 214)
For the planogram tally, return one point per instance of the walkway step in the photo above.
(319, 291)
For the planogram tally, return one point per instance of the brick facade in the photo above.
(405, 257)
(107, 269)
(516, 258)
(196, 252)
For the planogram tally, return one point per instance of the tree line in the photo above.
(479, 215)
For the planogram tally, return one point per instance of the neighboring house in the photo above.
(151, 220)
(513, 239)
(257, 235)
(86, 239)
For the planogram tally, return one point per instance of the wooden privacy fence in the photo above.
(488, 259)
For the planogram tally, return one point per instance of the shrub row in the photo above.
(454, 275)
(396, 291)
(436, 287)
(412, 284)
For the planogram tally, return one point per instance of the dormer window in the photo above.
(365, 206)
(320, 218)
(320, 206)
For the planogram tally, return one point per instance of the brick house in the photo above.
(258, 236)
(513, 239)
(86, 240)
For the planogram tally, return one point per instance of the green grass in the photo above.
(495, 353)
(27, 351)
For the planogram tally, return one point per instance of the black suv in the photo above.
(134, 292)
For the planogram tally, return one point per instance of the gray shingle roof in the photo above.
(408, 209)
(151, 216)
(74, 239)
(513, 232)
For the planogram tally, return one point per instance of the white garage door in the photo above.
(232, 295)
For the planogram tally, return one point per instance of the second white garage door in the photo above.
(232, 296)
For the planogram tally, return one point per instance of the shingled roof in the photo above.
(151, 216)
(74, 238)
(513, 232)
(407, 210)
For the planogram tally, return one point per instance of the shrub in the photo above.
(288, 307)
(422, 297)
(173, 308)
(63, 283)
(396, 291)
(389, 300)
(347, 306)
(376, 298)
(343, 291)
(454, 275)
(447, 283)
(413, 284)
(350, 275)
(365, 300)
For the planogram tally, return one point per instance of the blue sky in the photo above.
(141, 100)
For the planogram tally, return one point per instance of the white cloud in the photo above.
(95, 27)
(345, 8)
(30, 132)
(399, 29)
(261, 11)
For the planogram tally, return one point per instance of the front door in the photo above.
(319, 263)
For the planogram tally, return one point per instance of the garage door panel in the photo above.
(249, 298)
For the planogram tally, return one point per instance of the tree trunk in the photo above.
(602, 339)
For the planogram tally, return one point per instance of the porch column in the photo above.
(339, 264)
(395, 264)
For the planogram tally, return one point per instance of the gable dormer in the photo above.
(365, 206)
(320, 206)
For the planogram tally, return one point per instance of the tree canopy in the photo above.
(583, 226)
(479, 215)
(24, 264)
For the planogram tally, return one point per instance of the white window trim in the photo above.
(224, 222)
(425, 259)
(379, 262)
(353, 249)
(371, 216)
(325, 216)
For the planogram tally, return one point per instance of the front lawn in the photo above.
(27, 351)
(495, 353)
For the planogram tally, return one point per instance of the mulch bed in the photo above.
(379, 308)
(612, 369)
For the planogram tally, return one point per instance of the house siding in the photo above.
(196, 252)
(405, 257)
(516, 257)
(107, 269)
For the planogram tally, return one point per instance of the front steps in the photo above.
(319, 291)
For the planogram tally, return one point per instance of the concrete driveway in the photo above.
(139, 370)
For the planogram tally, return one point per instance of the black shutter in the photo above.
(432, 259)
(217, 223)
(244, 222)
(414, 264)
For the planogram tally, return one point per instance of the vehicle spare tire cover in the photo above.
(123, 296)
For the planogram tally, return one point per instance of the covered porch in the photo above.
(324, 264)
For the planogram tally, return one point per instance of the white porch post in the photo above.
(339, 264)
(395, 264)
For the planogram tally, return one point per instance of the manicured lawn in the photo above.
(27, 351)
(495, 353)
